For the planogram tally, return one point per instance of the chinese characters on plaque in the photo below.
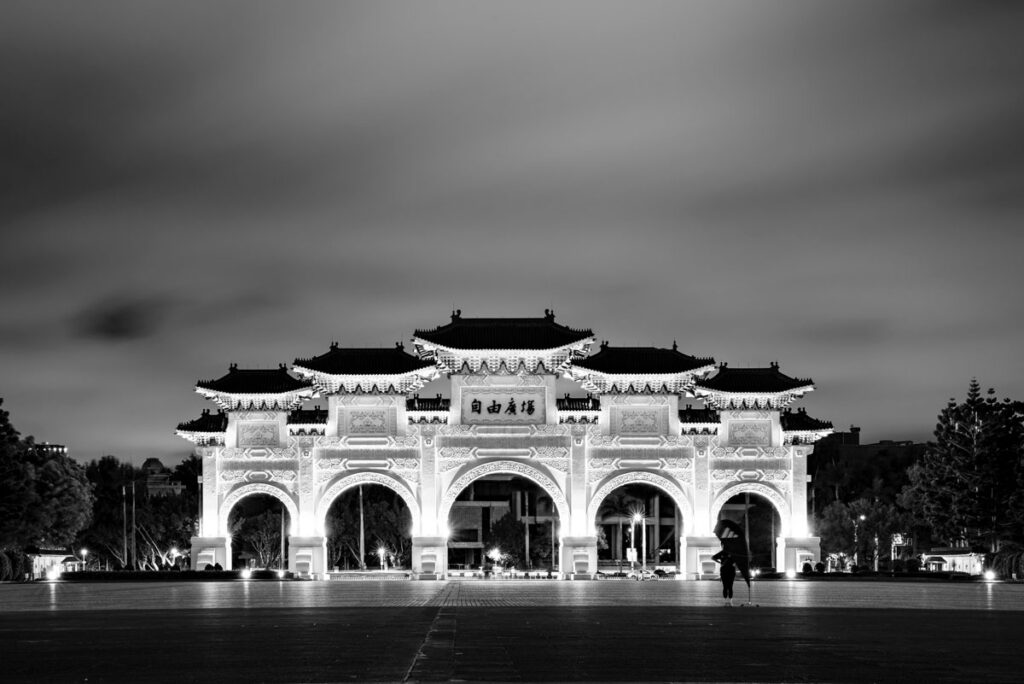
(512, 406)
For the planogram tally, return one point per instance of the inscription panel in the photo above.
(640, 420)
(503, 405)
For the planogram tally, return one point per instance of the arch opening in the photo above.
(368, 527)
(503, 515)
(762, 520)
(257, 525)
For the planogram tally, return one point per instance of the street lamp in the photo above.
(174, 556)
(85, 552)
(382, 553)
(638, 519)
(856, 523)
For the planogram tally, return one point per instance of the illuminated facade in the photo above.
(503, 415)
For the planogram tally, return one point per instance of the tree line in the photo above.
(964, 489)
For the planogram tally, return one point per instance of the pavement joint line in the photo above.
(438, 645)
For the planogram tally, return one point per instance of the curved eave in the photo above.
(419, 343)
(195, 436)
(725, 400)
(585, 375)
(228, 400)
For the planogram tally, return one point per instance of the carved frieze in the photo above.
(262, 433)
(512, 467)
(258, 454)
(750, 433)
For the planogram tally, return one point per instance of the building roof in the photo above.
(418, 403)
(364, 361)
(257, 381)
(768, 380)
(207, 422)
(701, 416)
(641, 361)
(313, 416)
(799, 421)
(503, 333)
(587, 403)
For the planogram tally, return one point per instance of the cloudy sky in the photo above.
(835, 186)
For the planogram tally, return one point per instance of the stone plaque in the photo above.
(503, 406)
(258, 434)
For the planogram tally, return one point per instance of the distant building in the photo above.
(47, 449)
(158, 479)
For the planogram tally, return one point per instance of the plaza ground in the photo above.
(509, 631)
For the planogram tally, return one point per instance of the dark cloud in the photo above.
(836, 186)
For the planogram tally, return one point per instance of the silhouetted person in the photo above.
(727, 573)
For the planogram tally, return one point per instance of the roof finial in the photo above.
(282, 366)
(399, 345)
(233, 367)
(775, 365)
(334, 345)
(675, 346)
(604, 344)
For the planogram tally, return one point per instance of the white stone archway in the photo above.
(239, 493)
(777, 499)
(665, 484)
(346, 482)
(532, 473)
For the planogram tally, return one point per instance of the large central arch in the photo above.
(240, 493)
(773, 495)
(347, 482)
(504, 467)
(682, 501)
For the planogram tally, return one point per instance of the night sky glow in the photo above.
(835, 186)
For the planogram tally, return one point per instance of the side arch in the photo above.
(777, 498)
(613, 482)
(239, 493)
(346, 482)
(510, 468)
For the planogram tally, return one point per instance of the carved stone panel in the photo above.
(366, 421)
(750, 433)
(259, 434)
(646, 420)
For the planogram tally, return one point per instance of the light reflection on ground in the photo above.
(57, 596)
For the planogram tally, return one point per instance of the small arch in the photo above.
(777, 499)
(239, 493)
(347, 482)
(663, 483)
(510, 468)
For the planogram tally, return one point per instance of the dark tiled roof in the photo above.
(313, 416)
(698, 415)
(208, 422)
(641, 361)
(753, 380)
(587, 403)
(799, 421)
(273, 381)
(503, 333)
(365, 361)
(418, 403)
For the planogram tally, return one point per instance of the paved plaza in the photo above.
(509, 631)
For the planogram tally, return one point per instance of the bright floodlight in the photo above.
(246, 573)
(863, 517)
(990, 575)
(53, 574)
(380, 551)
(637, 517)
(85, 552)
(280, 574)
(791, 574)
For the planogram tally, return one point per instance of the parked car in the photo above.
(641, 575)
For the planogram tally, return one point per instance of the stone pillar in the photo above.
(699, 551)
(579, 557)
(210, 551)
(307, 556)
(429, 557)
(795, 551)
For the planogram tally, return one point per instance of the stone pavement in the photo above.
(508, 631)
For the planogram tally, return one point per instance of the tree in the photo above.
(968, 484)
(260, 535)
(507, 535)
(45, 498)
(387, 522)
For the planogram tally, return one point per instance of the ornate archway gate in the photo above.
(503, 417)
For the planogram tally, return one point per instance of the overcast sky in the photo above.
(835, 186)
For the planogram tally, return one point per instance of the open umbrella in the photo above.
(735, 542)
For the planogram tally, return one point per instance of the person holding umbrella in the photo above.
(727, 573)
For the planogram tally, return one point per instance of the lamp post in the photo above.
(856, 523)
(382, 553)
(174, 556)
(85, 552)
(638, 519)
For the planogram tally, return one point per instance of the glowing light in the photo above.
(637, 517)
(756, 573)
(990, 575)
(791, 574)
(280, 574)
(246, 573)
(53, 574)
